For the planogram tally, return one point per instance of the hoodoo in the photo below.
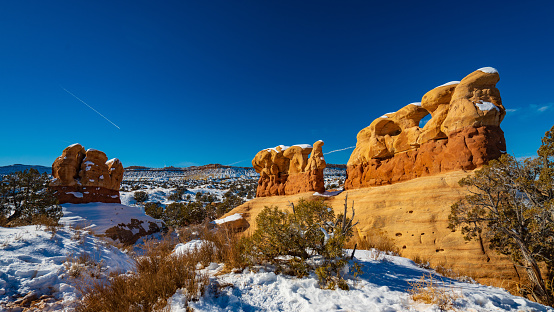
(290, 170)
(463, 134)
(86, 176)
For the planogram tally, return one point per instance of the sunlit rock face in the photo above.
(463, 134)
(86, 176)
(290, 170)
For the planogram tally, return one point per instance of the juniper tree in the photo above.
(25, 199)
(511, 202)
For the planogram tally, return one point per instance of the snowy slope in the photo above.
(382, 287)
(98, 217)
(36, 261)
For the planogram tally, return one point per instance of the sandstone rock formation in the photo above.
(414, 216)
(463, 133)
(288, 170)
(86, 176)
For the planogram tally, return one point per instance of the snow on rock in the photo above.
(415, 103)
(489, 70)
(448, 84)
(35, 260)
(282, 147)
(188, 247)
(303, 146)
(230, 218)
(76, 194)
(329, 193)
(486, 106)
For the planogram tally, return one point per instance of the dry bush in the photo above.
(159, 274)
(421, 261)
(428, 291)
(220, 245)
(377, 240)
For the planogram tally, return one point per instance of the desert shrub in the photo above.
(311, 238)
(177, 194)
(26, 199)
(140, 196)
(183, 214)
(229, 202)
(512, 202)
(159, 274)
(155, 210)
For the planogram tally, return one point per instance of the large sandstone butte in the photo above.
(414, 215)
(86, 176)
(463, 134)
(290, 170)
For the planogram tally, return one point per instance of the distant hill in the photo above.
(19, 167)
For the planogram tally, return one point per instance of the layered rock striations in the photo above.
(290, 170)
(463, 134)
(86, 176)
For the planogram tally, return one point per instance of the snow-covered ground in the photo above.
(383, 286)
(35, 262)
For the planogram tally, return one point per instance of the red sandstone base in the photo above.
(466, 149)
(85, 194)
(311, 181)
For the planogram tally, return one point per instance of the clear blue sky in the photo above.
(199, 82)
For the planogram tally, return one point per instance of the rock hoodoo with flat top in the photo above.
(463, 134)
(86, 176)
(290, 170)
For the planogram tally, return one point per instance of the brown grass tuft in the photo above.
(159, 274)
(428, 291)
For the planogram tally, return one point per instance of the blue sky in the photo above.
(199, 82)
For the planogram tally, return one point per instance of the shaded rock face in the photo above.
(86, 176)
(129, 233)
(463, 133)
(290, 170)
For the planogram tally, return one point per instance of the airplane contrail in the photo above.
(342, 149)
(90, 107)
(236, 162)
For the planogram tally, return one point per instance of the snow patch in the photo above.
(486, 106)
(489, 70)
(448, 84)
(230, 218)
(304, 146)
(415, 103)
(283, 148)
(76, 194)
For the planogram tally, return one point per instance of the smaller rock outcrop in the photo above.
(290, 170)
(86, 176)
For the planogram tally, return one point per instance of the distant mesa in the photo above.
(290, 170)
(86, 176)
(463, 134)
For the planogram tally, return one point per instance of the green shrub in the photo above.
(26, 199)
(140, 196)
(155, 210)
(311, 238)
